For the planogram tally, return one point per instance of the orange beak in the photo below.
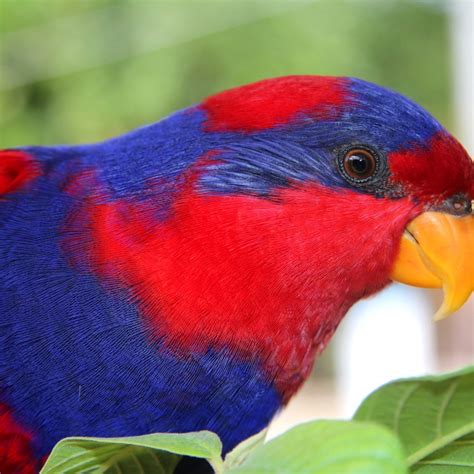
(437, 251)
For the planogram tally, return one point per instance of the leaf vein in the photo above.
(401, 404)
(138, 463)
(444, 406)
(446, 463)
(438, 443)
(83, 457)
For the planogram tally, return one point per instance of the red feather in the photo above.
(16, 453)
(440, 170)
(274, 102)
(265, 279)
(16, 170)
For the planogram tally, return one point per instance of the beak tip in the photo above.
(440, 315)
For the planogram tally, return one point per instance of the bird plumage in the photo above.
(185, 275)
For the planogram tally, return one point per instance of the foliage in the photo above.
(158, 453)
(434, 418)
(422, 425)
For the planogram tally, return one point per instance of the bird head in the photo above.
(356, 146)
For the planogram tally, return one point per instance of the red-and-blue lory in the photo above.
(185, 275)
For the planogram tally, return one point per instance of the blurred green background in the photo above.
(83, 70)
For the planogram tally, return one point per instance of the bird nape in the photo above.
(184, 276)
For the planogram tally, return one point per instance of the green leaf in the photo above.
(156, 453)
(328, 447)
(455, 458)
(238, 455)
(431, 415)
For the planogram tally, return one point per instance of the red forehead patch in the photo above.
(273, 102)
(442, 169)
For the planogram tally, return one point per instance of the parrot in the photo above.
(185, 275)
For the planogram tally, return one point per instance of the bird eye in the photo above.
(359, 164)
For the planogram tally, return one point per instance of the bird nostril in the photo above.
(456, 205)
(461, 205)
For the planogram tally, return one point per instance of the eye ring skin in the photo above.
(380, 174)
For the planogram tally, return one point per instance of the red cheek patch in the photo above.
(16, 169)
(274, 102)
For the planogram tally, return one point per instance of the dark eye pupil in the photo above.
(359, 164)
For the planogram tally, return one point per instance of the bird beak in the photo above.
(437, 251)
